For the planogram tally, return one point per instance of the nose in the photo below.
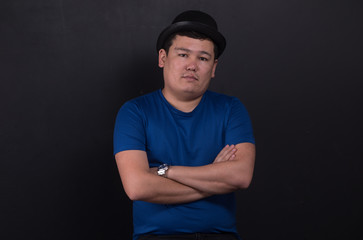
(192, 66)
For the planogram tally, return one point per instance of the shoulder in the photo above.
(142, 103)
(228, 106)
(221, 99)
(144, 99)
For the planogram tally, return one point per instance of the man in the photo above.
(183, 151)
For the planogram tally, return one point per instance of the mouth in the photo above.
(190, 77)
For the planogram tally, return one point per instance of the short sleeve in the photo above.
(239, 127)
(129, 133)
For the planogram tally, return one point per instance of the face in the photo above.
(188, 67)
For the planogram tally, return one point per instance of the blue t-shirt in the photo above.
(151, 124)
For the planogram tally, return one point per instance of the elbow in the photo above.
(136, 195)
(133, 195)
(243, 182)
(134, 192)
(139, 187)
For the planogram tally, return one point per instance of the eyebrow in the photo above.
(188, 51)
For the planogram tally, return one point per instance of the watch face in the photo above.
(161, 172)
(162, 169)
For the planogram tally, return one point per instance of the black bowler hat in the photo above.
(194, 21)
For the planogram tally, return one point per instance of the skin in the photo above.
(188, 68)
(142, 183)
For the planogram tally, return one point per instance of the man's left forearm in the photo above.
(219, 178)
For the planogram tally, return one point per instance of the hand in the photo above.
(226, 154)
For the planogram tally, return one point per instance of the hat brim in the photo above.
(210, 32)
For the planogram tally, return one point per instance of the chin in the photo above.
(193, 93)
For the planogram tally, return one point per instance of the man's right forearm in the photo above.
(156, 189)
(143, 184)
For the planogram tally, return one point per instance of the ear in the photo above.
(162, 58)
(214, 68)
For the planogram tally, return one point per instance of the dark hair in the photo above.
(191, 34)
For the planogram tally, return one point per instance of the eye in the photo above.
(203, 59)
(182, 55)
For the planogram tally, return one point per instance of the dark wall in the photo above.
(67, 66)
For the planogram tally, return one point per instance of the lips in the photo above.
(190, 77)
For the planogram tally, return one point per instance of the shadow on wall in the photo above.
(138, 76)
(141, 75)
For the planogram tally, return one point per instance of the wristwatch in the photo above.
(162, 169)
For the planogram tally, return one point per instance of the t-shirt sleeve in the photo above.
(239, 127)
(129, 133)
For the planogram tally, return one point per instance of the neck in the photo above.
(181, 103)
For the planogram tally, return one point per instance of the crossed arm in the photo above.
(231, 170)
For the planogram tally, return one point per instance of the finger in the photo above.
(229, 153)
(226, 153)
(222, 151)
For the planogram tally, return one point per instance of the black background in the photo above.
(67, 66)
